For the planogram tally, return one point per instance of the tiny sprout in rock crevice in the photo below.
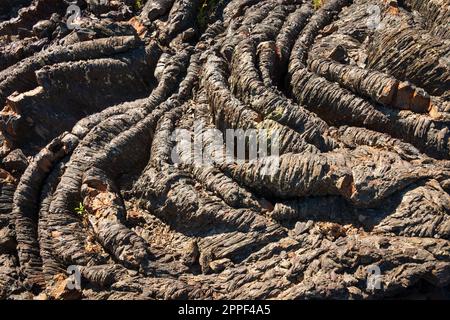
(80, 210)
(317, 4)
(138, 4)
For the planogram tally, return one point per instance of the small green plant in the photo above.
(277, 113)
(138, 4)
(80, 210)
(317, 4)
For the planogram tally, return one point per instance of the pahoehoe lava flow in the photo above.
(359, 92)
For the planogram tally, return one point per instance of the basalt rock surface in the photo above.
(92, 94)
